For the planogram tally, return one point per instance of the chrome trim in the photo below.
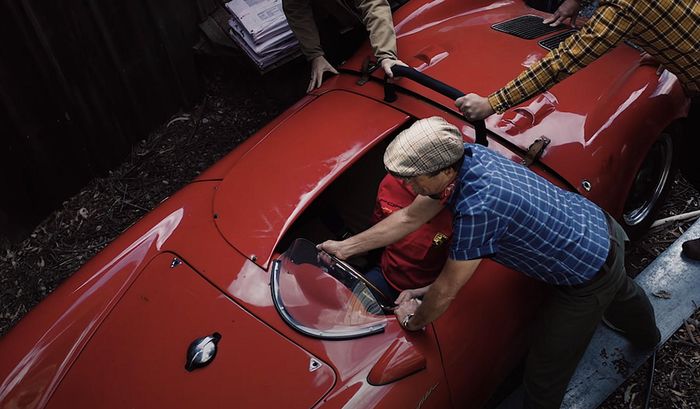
(586, 185)
(277, 301)
(314, 364)
(202, 351)
(640, 213)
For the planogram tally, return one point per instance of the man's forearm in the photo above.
(390, 230)
(441, 293)
(435, 303)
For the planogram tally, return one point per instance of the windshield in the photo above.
(323, 297)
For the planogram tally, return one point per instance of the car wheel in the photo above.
(651, 185)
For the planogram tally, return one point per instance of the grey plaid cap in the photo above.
(429, 145)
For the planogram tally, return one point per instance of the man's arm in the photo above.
(300, 17)
(395, 227)
(454, 275)
(376, 15)
(610, 23)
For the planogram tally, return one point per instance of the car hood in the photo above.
(141, 362)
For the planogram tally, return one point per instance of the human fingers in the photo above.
(551, 18)
(319, 79)
(326, 246)
(646, 59)
(405, 295)
(401, 311)
(386, 66)
(560, 19)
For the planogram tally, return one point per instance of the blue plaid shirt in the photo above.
(519, 219)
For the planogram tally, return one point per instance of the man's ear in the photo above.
(449, 172)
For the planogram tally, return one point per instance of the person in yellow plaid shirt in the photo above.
(667, 30)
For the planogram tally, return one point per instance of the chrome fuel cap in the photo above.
(202, 351)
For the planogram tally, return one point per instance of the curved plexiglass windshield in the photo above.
(324, 297)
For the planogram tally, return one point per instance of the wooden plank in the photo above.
(610, 358)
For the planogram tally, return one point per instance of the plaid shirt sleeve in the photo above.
(474, 236)
(610, 23)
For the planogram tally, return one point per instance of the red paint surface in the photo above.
(96, 341)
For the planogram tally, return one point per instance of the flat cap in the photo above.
(429, 145)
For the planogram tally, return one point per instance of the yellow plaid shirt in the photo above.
(669, 30)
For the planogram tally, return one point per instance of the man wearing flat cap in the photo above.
(504, 211)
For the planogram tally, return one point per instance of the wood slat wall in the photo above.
(80, 82)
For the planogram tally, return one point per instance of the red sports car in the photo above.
(218, 297)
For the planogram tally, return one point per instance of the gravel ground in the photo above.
(233, 108)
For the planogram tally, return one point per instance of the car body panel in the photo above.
(492, 312)
(152, 347)
(298, 152)
(39, 351)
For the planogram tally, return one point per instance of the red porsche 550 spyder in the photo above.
(218, 297)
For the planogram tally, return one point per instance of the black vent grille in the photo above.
(527, 27)
(554, 41)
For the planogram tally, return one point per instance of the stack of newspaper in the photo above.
(260, 28)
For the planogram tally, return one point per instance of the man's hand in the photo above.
(474, 107)
(567, 11)
(387, 63)
(403, 311)
(336, 248)
(646, 59)
(319, 65)
(407, 295)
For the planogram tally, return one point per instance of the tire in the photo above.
(651, 185)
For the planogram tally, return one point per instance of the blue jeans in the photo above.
(375, 276)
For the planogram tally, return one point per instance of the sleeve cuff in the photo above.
(473, 254)
(310, 56)
(498, 103)
(386, 55)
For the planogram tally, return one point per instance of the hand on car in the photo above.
(335, 248)
(646, 59)
(387, 63)
(319, 65)
(474, 107)
(407, 295)
(567, 11)
(406, 308)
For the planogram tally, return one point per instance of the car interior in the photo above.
(345, 207)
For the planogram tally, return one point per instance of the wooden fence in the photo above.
(80, 82)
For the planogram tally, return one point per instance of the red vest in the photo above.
(417, 259)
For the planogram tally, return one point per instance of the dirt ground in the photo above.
(237, 103)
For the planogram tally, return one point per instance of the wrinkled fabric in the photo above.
(375, 15)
